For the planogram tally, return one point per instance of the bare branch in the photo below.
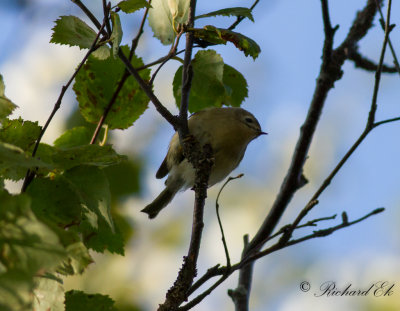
(228, 261)
(383, 23)
(374, 106)
(241, 294)
(224, 272)
(367, 64)
(330, 71)
(316, 234)
(171, 54)
(240, 18)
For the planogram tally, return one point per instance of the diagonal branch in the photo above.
(225, 273)
(125, 75)
(30, 175)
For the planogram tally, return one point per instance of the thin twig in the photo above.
(135, 40)
(30, 175)
(330, 72)
(386, 121)
(315, 234)
(374, 105)
(171, 54)
(106, 12)
(90, 15)
(329, 33)
(368, 128)
(147, 89)
(362, 62)
(228, 261)
(240, 18)
(383, 23)
(124, 77)
(278, 246)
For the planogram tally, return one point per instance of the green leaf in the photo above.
(77, 136)
(91, 185)
(14, 162)
(207, 87)
(236, 11)
(28, 247)
(103, 52)
(49, 295)
(78, 259)
(96, 83)
(86, 155)
(116, 35)
(124, 178)
(130, 6)
(55, 201)
(214, 83)
(235, 87)
(70, 30)
(221, 36)
(16, 289)
(165, 16)
(6, 106)
(80, 200)
(20, 133)
(79, 301)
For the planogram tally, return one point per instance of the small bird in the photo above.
(227, 130)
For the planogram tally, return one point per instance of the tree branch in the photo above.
(30, 174)
(330, 72)
(245, 262)
(240, 18)
(367, 64)
(149, 92)
(125, 75)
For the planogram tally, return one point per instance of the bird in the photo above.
(227, 129)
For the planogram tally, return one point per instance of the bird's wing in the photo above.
(163, 169)
(173, 157)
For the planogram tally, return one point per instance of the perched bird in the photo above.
(227, 130)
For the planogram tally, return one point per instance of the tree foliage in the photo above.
(46, 232)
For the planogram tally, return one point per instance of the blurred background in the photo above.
(281, 83)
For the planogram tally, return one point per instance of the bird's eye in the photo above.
(248, 120)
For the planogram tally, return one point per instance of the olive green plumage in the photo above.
(227, 130)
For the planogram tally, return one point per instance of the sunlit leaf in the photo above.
(71, 30)
(6, 106)
(49, 295)
(116, 35)
(28, 247)
(20, 133)
(165, 16)
(130, 6)
(14, 162)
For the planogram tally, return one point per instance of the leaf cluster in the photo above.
(65, 209)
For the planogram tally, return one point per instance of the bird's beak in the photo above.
(262, 133)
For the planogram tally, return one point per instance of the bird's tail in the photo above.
(159, 203)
